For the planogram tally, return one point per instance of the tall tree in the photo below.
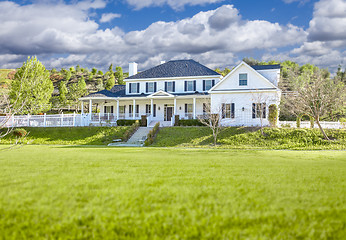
(110, 82)
(31, 88)
(315, 94)
(62, 93)
(119, 75)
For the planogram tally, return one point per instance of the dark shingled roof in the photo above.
(266, 67)
(116, 91)
(177, 68)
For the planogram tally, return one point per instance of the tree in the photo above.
(316, 95)
(31, 88)
(110, 83)
(62, 93)
(94, 71)
(211, 118)
(68, 75)
(110, 69)
(119, 75)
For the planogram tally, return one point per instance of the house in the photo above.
(189, 89)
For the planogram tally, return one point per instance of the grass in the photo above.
(70, 135)
(49, 192)
(251, 138)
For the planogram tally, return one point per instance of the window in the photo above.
(190, 86)
(130, 110)
(206, 108)
(170, 86)
(228, 110)
(122, 109)
(259, 110)
(108, 109)
(189, 111)
(147, 109)
(208, 84)
(243, 79)
(150, 87)
(134, 88)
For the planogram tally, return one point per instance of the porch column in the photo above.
(175, 106)
(134, 109)
(82, 106)
(152, 107)
(90, 108)
(194, 108)
(117, 109)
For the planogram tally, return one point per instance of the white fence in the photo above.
(109, 119)
(306, 124)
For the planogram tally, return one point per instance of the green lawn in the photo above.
(69, 135)
(51, 192)
(251, 138)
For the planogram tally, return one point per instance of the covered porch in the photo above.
(158, 107)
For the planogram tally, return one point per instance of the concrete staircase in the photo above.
(136, 140)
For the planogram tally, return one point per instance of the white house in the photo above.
(185, 88)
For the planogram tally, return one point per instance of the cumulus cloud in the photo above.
(329, 21)
(107, 17)
(175, 4)
(64, 35)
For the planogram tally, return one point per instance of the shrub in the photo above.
(128, 133)
(273, 115)
(20, 132)
(151, 135)
(190, 122)
(125, 122)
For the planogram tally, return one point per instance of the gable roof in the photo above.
(177, 68)
(235, 69)
(266, 67)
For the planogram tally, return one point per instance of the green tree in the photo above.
(110, 83)
(31, 88)
(119, 75)
(100, 72)
(68, 75)
(94, 71)
(78, 69)
(63, 91)
(110, 69)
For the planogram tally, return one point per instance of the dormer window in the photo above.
(243, 79)
(134, 87)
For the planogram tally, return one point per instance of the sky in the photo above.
(216, 33)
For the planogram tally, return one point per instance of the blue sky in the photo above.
(217, 33)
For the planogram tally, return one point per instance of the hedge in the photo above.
(125, 122)
(190, 122)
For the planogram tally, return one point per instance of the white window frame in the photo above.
(206, 82)
(188, 85)
(170, 86)
(151, 85)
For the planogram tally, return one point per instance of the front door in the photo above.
(168, 113)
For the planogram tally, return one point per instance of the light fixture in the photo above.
(180, 108)
(158, 108)
(243, 109)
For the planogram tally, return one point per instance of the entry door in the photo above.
(169, 113)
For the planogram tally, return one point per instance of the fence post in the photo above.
(74, 119)
(62, 119)
(44, 120)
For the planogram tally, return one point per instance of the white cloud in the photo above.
(107, 17)
(175, 4)
(63, 35)
(329, 21)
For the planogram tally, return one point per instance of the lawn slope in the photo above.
(69, 135)
(251, 138)
(51, 192)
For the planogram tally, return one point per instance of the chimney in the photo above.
(162, 62)
(132, 69)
